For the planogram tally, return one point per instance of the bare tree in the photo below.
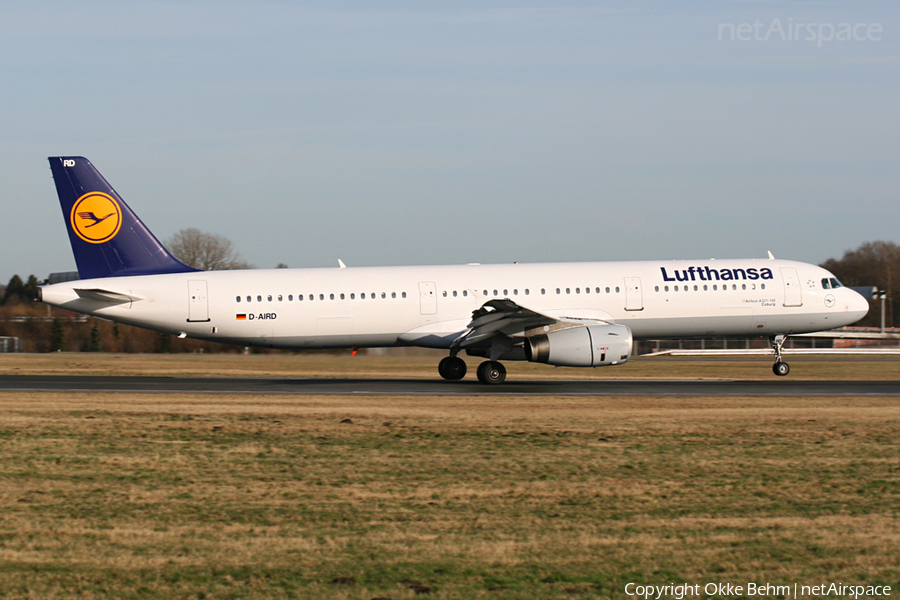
(206, 251)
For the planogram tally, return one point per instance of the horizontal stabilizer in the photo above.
(106, 296)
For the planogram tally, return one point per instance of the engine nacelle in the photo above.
(592, 346)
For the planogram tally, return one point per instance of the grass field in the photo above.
(209, 496)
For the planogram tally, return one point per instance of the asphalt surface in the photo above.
(437, 387)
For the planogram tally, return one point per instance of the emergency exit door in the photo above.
(427, 298)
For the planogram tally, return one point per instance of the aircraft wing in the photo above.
(500, 317)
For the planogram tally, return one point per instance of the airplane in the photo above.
(564, 314)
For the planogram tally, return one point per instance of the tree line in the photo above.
(872, 264)
(41, 328)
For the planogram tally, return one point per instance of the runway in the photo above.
(437, 387)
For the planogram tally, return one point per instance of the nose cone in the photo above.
(857, 306)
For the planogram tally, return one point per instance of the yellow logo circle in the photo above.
(96, 217)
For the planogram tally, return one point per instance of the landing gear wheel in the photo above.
(490, 372)
(452, 368)
(781, 368)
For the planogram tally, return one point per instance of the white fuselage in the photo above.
(431, 306)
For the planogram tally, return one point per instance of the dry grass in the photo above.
(203, 496)
(423, 364)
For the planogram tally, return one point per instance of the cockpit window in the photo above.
(835, 283)
(826, 284)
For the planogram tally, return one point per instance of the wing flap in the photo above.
(500, 317)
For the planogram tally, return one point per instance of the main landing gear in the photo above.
(780, 367)
(490, 372)
(452, 368)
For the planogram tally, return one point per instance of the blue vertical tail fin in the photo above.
(107, 238)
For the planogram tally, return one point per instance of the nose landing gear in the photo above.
(780, 367)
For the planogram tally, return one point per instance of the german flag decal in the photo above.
(241, 317)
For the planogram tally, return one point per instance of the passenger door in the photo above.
(634, 297)
(793, 295)
(198, 303)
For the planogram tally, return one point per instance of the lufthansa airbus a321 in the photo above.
(566, 314)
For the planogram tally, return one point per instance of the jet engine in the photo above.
(591, 346)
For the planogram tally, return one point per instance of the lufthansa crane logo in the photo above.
(96, 217)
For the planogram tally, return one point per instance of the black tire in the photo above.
(452, 368)
(781, 368)
(491, 372)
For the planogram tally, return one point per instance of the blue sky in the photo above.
(416, 133)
